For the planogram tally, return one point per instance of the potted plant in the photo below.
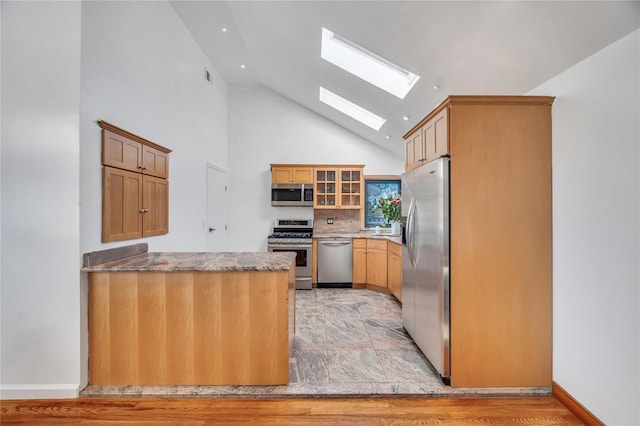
(391, 208)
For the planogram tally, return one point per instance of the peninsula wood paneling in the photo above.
(190, 327)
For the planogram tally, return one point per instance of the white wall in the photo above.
(132, 64)
(142, 71)
(40, 267)
(265, 128)
(596, 214)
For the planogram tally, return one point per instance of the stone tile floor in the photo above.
(348, 342)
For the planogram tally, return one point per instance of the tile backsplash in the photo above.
(347, 221)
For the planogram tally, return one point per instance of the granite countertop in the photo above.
(368, 233)
(202, 262)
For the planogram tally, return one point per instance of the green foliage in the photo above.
(391, 208)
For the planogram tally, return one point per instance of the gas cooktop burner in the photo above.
(291, 235)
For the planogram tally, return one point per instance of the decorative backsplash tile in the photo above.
(343, 221)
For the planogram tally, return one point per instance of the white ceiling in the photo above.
(463, 47)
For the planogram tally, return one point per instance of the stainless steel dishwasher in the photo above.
(335, 265)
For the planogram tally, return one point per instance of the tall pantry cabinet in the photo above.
(500, 234)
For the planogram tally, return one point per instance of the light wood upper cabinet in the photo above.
(435, 137)
(154, 162)
(135, 193)
(427, 141)
(413, 150)
(441, 124)
(338, 187)
(291, 174)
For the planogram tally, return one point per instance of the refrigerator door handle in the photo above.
(410, 231)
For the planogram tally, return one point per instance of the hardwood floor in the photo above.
(269, 411)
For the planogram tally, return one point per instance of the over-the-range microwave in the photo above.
(292, 194)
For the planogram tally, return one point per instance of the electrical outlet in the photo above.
(330, 221)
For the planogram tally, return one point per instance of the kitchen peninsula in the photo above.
(190, 318)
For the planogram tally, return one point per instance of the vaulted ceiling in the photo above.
(460, 47)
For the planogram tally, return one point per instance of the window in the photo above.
(374, 189)
(352, 110)
(366, 65)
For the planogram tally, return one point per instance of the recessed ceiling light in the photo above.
(436, 87)
(352, 110)
(405, 118)
(387, 137)
(366, 65)
(224, 30)
(243, 66)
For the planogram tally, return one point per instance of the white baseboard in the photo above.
(55, 391)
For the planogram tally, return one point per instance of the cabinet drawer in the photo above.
(395, 249)
(377, 244)
(359, 243)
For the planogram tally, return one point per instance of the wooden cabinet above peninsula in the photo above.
(135, 186)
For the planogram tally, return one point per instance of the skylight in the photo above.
(352, 110)
(366, 65)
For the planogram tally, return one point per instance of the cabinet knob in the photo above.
(144, 210)
(143, 167)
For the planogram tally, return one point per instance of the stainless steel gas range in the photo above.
(294, 235)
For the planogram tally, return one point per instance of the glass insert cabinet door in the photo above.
(326, 183)
(338, 188)
(350, 187)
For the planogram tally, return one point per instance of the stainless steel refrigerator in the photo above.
(425, 261)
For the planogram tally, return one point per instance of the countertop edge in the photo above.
(199, 262)
(360, 234)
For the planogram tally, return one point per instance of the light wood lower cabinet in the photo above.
(377, 264)
(215, 328)
(359, 262)
(394, 269)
